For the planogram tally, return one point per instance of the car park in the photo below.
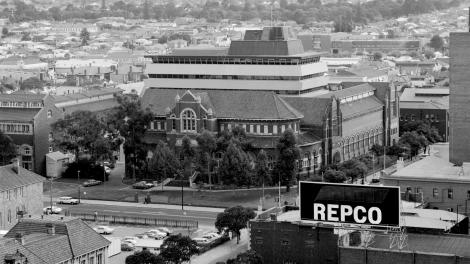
(52, 210)
(92, 183)
(105, 230)
(67, 200)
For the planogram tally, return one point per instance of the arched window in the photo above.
(188, 121)
(306, 160)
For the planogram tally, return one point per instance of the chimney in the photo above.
(20, 238)
(50, 229)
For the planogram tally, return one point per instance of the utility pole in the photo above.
(51, 192)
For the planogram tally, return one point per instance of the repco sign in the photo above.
(350, 204)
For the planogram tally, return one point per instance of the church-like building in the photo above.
(266, 84)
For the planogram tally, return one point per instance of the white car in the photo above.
(201, 240)
(105, 230)
(164, 230)
(53, 210)
(155, 233)
(211, 236)
(67, 200)
(130, 239)
(107, 169)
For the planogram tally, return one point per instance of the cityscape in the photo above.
(234, 131)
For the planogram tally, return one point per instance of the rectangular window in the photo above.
(244, 127)
(252, 129)
(229, 127)
(92, 260)
(51, 149)
(283, 128)
(152, 125)
(159, 125)
(100, 259)
(274, 129)
(258, 129)
(450, 194)
(435, 193)
(265, 128)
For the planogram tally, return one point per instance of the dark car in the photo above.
(92, 183)
(142, 185)
(127, 246)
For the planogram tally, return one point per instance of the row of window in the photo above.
(356, 97)
(11, 128)
(435, 192)
(353, 145)
(13, 193)
(412, 117)
(233, 60)
(9, 214)
(235, 77)
(22, 104)
(261, 129)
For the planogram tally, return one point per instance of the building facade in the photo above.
(19, 192)
(27, 119)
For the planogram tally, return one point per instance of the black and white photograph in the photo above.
(234, 131)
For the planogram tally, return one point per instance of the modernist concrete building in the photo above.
(19, 192)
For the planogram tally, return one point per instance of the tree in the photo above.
(288, 154)
(422, 128)
(84, 36)
(163, 163)
(436, 42)
(82, 133)
(130, 121)
(334, 176)
(178, 249)
(188, 153)
(4, 32)
(234, 219)
(377, 56)
(428, 54)
(144, 257)
(248, 257)
(262, 170)
(32, 83)
(414, 141)
(207, 146)
(235, 167)
(353, 169)
(7, 149)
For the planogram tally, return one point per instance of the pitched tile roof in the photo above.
(21, 96)
(226, 104)
(9, 179)
(56, 251)
(18, 114)
(365, 105)
(11, 246)
(97, 106)
(81, 238)
(312, 108)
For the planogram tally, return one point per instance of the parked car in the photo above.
(52, 210)
(105, 230)
(375, 180)
(201, 241)
(92, 183)
(142, 236)
(211, 236)
(109, 164)
(107, 170)
(130, 239)
(142, 185)
(67, 200)
(126, 246)
(154, 233)
(165, 230)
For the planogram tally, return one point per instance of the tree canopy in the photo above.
(235, 166)
(334, 176)
(263, 175)
(163, 163)
(234, 219)
(248, 257)
(414, 140)
(177, 249)
(436, 42)
(288, 154)
(422, 128)
(144, 257)
(7, 149)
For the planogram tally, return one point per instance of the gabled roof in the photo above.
(9, 179)
(18, 114)
(22, 96)
(258, 105)
(81, 238)
(312, 108)
(361, 106)
(11, 246)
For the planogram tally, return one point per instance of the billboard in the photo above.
(350, 204)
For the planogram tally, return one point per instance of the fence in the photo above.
(135, 220)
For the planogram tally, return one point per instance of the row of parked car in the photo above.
(207, 238)
(128, 243)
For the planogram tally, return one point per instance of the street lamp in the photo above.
(79, 192)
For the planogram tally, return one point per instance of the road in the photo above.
(204, 217)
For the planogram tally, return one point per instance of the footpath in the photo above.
(141, 205)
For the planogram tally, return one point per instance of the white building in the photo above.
(272, 59)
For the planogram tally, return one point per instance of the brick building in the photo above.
(19, 192)
(429, 105)
(27, 119)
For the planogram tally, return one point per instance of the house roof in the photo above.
(81, 238)
(11, 246)
(257, 105)
(9, 179)
(353, 90)
(21, 96)
(57, 249)
(97, 106)
(18, 114)
(365, 105)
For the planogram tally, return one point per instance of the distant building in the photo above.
(50, 239)
(19, 192)
(27, 119)
(429, 105)
(416, 68)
